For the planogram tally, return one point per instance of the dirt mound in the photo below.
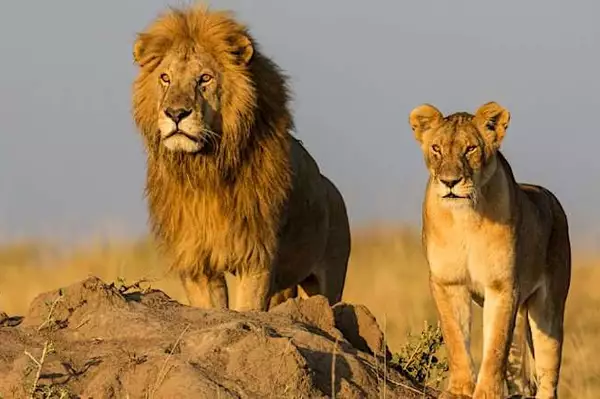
(94, 340)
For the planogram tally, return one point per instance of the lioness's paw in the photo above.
(449, 395)
(461, 387)
(489, 391)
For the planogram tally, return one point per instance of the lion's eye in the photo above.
(205, 78)
(435, 148)
(470, 149)
(165, 78)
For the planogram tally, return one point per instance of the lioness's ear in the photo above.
(244, 50)
(423, 118)
(493, 119)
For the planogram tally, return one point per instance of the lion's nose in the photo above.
(177, 114)
(451, 182)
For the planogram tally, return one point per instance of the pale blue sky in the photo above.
(71, 162)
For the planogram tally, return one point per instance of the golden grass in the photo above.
(387, 273)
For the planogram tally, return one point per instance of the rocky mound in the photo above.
(95, 340)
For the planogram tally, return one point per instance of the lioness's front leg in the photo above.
(453, 304)
(205, 291)
(499, 313)
(254, 291)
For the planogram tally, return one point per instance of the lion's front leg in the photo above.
(499, 313)
(254, 291)
(453, 303)
(206, 291)
(283, 295)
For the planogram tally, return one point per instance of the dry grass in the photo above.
(387, 273)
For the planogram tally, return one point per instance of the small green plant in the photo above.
(51, 306)
(419, 359)
(38, 366)
(37, 390)
(53, 392)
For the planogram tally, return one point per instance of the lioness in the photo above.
(486, 237)
(229, 189)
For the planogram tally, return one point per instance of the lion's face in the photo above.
(459, 149)
(188, 106)
(194, 90)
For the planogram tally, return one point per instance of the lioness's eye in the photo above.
(471, 148)
(165, 78)
(205, 78)
(435, 148)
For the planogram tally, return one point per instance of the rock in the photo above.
(360, 328)
(102, 342)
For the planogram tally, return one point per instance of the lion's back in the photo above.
(339, 241)
(316, 225)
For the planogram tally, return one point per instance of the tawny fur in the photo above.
(503, 244)
(245, 197)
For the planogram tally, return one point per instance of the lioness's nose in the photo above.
(451, 182)
(177, 114)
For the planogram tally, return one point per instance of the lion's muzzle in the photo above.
(178, 130)
(177, 114)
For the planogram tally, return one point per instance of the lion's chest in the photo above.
(203, 230)
(469, 252)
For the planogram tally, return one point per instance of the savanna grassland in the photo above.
(387, 273)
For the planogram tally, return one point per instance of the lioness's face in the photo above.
(188, 102)
(459, 149)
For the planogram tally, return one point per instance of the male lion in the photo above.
(487, 237)
(228, 188)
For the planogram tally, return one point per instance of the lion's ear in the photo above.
(139, 48)
(492, 119)
(148, 48)
(243, 48)
(423, 118)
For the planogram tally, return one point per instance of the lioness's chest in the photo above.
(469, 253)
